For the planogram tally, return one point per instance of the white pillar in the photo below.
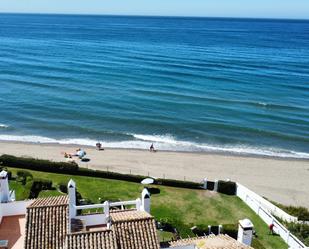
(216, 186)
(139, 204)
(245, 232)
(72, 198)
(4, 187)
(146, 200)
(205, 183)
(107, 216)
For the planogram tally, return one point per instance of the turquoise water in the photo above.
(186, 84)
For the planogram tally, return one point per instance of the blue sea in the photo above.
(236, 86)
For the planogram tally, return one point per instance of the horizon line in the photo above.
(145, 15)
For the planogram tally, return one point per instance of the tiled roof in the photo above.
(91, 240)
(46, 224)
(128, 215)
(134, 230)
(211, 242)
(50, 201)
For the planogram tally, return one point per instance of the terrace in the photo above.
(12, 229)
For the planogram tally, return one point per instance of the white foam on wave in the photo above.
(163, 142)
(4, 126)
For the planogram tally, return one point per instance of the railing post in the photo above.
(205, 183)
(106, 212)
(138, 204)
(216, 186)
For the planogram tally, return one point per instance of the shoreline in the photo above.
(284, 180)
(219, 153)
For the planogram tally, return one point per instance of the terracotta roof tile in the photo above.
(134, 230)
(211, 242)
(91, 240)
(128, 215)
(50, 201)
(46, 224)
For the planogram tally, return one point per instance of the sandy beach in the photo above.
(281, 180)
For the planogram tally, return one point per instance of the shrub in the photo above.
(179, 184)
(301, 213)
(38, 185)
(63, 187)
(227, 187)
(231, 230)
(301, 231)
(22, 176)
(38, 164)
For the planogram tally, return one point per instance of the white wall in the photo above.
(15, 208)
(271, 208)
(93, 219)
(262, 208)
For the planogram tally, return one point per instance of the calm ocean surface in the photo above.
(186, 84)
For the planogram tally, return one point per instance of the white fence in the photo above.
(267, 205)
(264, 210)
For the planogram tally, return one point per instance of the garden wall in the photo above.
(14, 208)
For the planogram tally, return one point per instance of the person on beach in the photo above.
(67, 155)
(152, 149)
(99, 146)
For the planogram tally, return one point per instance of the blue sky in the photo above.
(298, 9)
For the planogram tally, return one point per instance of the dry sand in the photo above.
(282, 180)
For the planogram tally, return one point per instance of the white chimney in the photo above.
(72, 198)
(146, 200)
(4, 187)
(245, 232)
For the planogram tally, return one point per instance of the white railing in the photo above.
(136, 203)
(254, 201)
(102, 218)
(267, 205)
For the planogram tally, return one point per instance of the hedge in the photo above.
(38, 164)
(73, 169)
(63, 187)
(227, 187)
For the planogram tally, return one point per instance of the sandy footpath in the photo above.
(284, 181)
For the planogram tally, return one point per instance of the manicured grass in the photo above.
(184, 208)
(21, 191)
(47, 193)
(165, 236)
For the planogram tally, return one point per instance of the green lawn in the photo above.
(46, 193)
(184, 208)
